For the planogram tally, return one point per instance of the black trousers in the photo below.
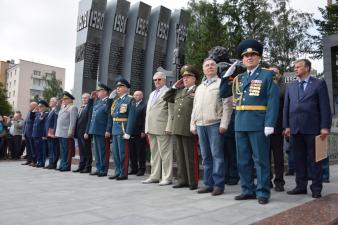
(137, 154)
(85, 148)
(230, 160)
(276, 147)
(303, 146)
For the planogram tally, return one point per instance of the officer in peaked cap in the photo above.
(122, 123)
(43, 103)
(66, 95)
(189, 70)
(182, 96)
(249, 47)
(256, 100)
(103, 87)
(38, 134)
(122, 82)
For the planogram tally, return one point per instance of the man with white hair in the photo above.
(157, 127)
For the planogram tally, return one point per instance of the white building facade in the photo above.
(28, 79)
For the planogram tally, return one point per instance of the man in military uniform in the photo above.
(65, 129)
(39, 134)
(121, 122)
(99, 128)
(182, 95)
(256, 100)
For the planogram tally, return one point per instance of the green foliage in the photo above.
(53, 88)
(327, 26)
(282, 31)
(5, 107)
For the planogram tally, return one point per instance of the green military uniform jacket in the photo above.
(183, 100)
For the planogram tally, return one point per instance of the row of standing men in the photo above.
(184, 110)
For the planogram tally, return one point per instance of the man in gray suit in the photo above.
(157, 126)
(65, 130)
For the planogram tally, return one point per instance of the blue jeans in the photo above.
(211, 144)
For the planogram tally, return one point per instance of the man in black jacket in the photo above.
(137, 142)
(84, 142)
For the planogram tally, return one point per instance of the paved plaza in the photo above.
(44, 197)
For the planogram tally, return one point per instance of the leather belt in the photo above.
(120, 119)
(251, 107)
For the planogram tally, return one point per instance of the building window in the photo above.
(9, 94)
(35, 72)
(10, 84)
(13, 93)
(14, 72)
(14, 83)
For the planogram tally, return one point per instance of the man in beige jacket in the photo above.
(157, 126)
(210, 119)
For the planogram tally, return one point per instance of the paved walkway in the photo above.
(43, 197)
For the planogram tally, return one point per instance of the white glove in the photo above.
(231, 69)
(126, 136)
(268, 130)
(112, 94)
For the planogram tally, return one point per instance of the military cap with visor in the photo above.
(122, 82)
(66, 95)
(189, 70)
(249, 46)
(103, 87)
(43, 103)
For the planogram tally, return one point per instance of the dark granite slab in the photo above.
(323, 211)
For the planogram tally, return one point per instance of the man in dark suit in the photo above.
(137, 142)
(98, 127)
(27, 133)
(52, 141)
(306, 114)
(85, 144)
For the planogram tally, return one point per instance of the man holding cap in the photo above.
(99, 128)
(182, 95)
(39, 135)
(65, 128)
(256, 98)
(121, 122)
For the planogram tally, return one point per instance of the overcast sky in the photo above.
(44, 31)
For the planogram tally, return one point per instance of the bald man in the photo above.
(137, 142)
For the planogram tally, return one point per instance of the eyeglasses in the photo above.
(158, 79)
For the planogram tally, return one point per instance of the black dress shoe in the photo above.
(122, 178)
(77, 170)
(39, 166)
(45, 167)
(217, 191)
(279, 188)
(85, 171)
(193, 187)
(140, 173)
(26, 163)
(290, 173)
(316, 195)
(326, 181)
(204, 190)
(245, 197)
(232, 183)
(297, 191)
(132, 172)
(180, 186)
(262, 200)
(102, 175)
(113, 177)
(94, 173)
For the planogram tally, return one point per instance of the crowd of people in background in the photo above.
(243, 124)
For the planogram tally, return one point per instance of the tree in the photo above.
(205, 31)
(53, 88)
(289, 37)
(327, 26)
(5, 107)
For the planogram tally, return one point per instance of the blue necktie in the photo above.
(301, 89)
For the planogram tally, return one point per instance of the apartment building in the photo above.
(28, 79)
